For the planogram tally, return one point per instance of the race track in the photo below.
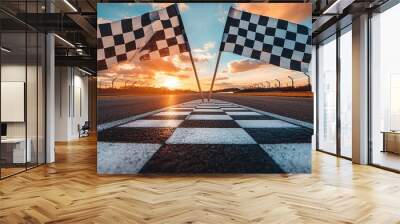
(211, 137)
(115, 108)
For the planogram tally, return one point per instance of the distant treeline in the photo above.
(226, 90)
(139, 90)
(280, 89)
(153, 90)
(260, 89)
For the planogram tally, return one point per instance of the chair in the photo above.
(84, 130)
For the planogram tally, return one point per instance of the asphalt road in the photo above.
(300, 108)
(115, 108)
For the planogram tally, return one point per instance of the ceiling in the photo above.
(75, 21)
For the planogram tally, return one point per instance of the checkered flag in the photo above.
(274, 41)
(152, 35)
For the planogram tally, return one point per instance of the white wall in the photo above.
(80, 103)
(71, 102)
(16, 73)
(61, 103)
(33, 126)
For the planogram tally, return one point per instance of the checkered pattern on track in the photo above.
(212, 137)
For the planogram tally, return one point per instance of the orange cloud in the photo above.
(145, 73)
(293, 12)
(244, 65)
(222, 78)
(159, 65)
(184, 76)
(185, 58)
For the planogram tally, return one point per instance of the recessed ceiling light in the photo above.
(5, 49)
(86, 72)
(64, 40)
(331, 8)
(337, 7)
(70, 5)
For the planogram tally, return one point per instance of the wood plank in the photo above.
(70, 191)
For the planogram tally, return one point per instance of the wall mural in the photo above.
(204, 88)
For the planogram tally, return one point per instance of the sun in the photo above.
(172, 83)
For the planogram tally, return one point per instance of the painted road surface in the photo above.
(211, 137)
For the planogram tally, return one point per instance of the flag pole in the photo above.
(195, 73)
(218, 58)
(308, 78)
(190, 52)
(215, 74)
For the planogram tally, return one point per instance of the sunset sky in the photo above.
(204, 24)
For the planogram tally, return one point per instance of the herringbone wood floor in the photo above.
(70, 191)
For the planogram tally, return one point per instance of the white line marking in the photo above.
(207, 110)
(280, 117)
(209, 117)
(153, 124)
(210, 136)
(123, 158)
(232, 108)
(169, 113)
(102, 127)
(265, 124)
(242, 113)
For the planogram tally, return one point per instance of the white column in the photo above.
(50, 98)
(360, 90)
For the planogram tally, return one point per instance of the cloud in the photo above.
(206, 47)
(182, 6)
(209, 45)
(244, 65)
(203, 57)
(222, 78)
(178, 66)
(222, 14)
(202, 54)
(102, 20)
(184, 76)
(162, 65)
(185, 58)
(293, 12)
